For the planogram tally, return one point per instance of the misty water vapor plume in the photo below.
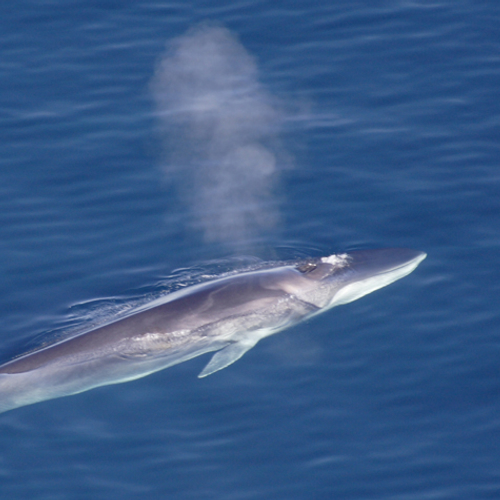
(219, 128)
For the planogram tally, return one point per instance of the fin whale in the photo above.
(228, 315)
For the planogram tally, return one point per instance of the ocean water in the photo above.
(147, 143)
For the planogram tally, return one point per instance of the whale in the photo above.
(228, 315)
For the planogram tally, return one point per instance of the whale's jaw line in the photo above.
(386, 275)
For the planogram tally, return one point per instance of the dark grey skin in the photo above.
(228, 315)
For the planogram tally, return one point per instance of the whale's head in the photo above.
(341, 278)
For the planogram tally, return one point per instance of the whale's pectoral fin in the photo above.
(227, 356)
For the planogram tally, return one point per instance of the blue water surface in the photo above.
(388, 136)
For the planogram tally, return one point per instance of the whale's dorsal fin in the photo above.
(227, 356)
